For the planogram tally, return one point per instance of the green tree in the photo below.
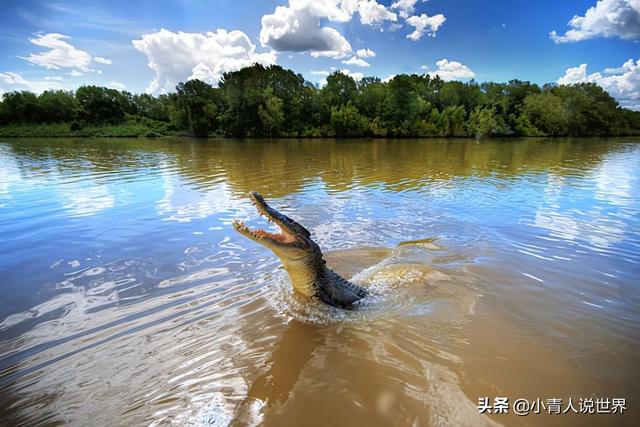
(243, 92)
(482, 122)
(591, 110)
(405, 107)
(547, 113)
(99, 104)
(340, 90)
(271, 113)
(453, 119)
(196, 106)
(347, 121)
(20, 107)
(58, 106)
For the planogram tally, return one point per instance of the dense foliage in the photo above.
(272, 101)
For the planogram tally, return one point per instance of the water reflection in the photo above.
(126, 298)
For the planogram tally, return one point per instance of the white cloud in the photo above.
(365, 53)
(372, 12)
(176, 57)
(116, 85)
(299, 30)
(298, 27)
(319, 72)
(574, 75)
(75, 73)
(359, 62)
(101, 60)
(424, 67)
(623, 83)
(425, 24)
(405, 7)
(355, 76)
(57, 78)
(20, 83)
(452, 70)
(388, 78)
(608, 18)
(61, 54)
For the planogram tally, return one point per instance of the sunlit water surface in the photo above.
(500, 268)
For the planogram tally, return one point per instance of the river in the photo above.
(126, 297)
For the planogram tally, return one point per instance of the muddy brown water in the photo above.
(504, 268)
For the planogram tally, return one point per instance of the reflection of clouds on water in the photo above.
(571, 214)
(9, 175)
(548, 217)
(614, 180)
(593, 229)
(183, 203)
(84, 198)
(80, 197)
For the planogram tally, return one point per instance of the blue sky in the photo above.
(64, 44)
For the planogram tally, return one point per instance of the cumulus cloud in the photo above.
(355, 76)
(574, 75)
(319, 72)
(116, 85)
(20, 83)
(299, 30)
(608, 18)
(623, 83)
(354, 60)
(388, 78)
(424, 24)
(452, 70)
(365, 53)
(298, 27)
(101, 60)
(176, 57)
(405, 7)
(372, 13)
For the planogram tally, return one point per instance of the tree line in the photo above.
(259, 101)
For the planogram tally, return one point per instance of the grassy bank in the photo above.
(131, 129)
(158, 129)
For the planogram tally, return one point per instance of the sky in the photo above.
(150, 46)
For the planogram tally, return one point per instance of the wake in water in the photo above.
(402, 288)
(401, 282)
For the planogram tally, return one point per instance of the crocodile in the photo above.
(301, 258)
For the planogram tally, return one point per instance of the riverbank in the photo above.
(130, 129)
(156, 129)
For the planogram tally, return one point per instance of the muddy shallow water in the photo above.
(506, 268)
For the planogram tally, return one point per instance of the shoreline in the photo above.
(58, 131)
